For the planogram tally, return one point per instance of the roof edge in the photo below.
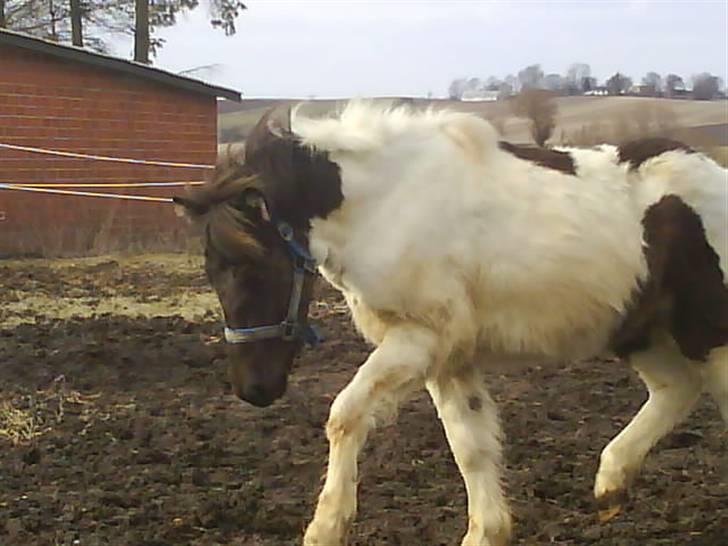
(100, 60)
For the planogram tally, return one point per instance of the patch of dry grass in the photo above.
(82, 294)
(28, 307)
(177, 262)
(18, 426)
(25, 418)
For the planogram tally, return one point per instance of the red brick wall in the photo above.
(50, 103)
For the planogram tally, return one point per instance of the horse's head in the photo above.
(254, 216)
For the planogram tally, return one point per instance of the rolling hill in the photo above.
(702, 123)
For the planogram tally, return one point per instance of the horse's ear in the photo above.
(187, 208)
(280, 125)
(272, 126)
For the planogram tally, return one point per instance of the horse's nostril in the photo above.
(256, 391)
(257, 395)
(238, 391)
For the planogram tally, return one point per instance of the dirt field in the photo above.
(119, 428)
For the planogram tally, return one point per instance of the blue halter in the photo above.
(291, 328)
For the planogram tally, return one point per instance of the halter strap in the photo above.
(291, 328)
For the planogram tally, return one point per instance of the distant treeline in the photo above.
(578, 80)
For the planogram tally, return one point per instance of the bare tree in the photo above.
(2, 14)
(577, 72)
(705, 86)
(54, 12)
(553, 82)
(141, 31)
(474, 84)
(673, 82)
(653, 82)
(539, 107)
(224, 14)
(493, 83)
(76, 22)
(531, 76)
(618, 84)
(575, 76)
(511, 81)
(457, 88)
(588, 83)
(505, 90)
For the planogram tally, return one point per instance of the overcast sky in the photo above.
(344, 48)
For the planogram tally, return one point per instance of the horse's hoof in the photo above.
(316, 535)
(609, 513)
(609, 504)
(612, 483)
(498, 535)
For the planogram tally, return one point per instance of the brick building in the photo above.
(67, 99)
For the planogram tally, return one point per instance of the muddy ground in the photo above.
(117, 426)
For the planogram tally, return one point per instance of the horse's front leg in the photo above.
(472, 427)
(391, 373)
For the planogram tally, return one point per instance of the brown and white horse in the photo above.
(458, 253)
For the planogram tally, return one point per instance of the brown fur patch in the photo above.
(685, 293)
(550, 159)
(225, 232)
(246, 260)
(637, 152)
(214, 208)
(475, 403)
(299, 183)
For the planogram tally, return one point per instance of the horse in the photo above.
(459, 253)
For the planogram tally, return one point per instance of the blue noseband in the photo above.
(291, 329)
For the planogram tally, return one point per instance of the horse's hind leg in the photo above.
(674, 384)
(716, 379)
(471, 424)
(391, 373)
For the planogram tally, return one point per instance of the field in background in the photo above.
(580, 120)
(720, 154)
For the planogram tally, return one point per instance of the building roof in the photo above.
(132, 68)
(480, 95)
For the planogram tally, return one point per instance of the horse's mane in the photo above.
(214, 204)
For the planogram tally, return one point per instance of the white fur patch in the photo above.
(452, 254)
(523, 258)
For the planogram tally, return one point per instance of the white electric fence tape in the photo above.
(53, 188)
(87, 193)
(104, 158)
